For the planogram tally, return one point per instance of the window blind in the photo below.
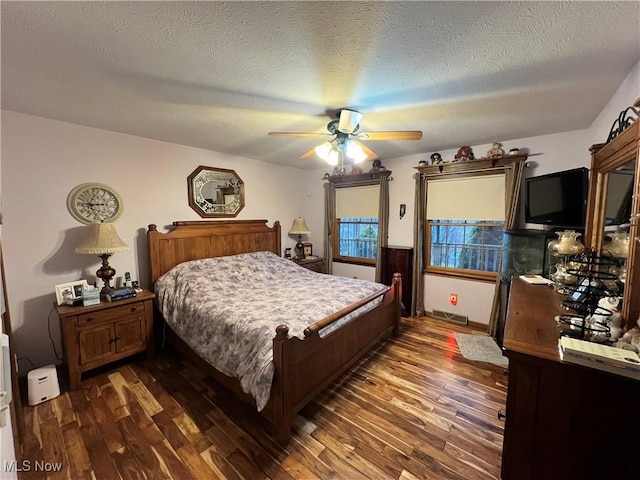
(358, 202)
(468, 198)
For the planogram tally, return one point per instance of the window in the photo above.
(470, 245)
(357, 237)
(356, 224)
(465, 224)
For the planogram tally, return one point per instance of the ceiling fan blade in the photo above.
(299, 134)
(371, 155)
(391, 135)
(308, 154)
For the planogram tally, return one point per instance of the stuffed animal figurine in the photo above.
(631, 339)
(612, 320)
(615, 326)
(377, 166)
(496, 151)
(464, 153)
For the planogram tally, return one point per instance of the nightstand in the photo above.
(315, 264)
(100, 334)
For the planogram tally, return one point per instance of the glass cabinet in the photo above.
(525, 253)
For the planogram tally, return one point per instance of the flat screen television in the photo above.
(558, 199)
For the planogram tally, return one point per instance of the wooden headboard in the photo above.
(205, 239)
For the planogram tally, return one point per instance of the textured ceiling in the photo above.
(220, 75)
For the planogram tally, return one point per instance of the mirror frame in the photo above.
(605, 158)
(202, 207)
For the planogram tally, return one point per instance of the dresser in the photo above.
(315, 264)
(100, 334)
(399, 260)
(563, 421)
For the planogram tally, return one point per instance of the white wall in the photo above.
(548, 153)
(42, 160)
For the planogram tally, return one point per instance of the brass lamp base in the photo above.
(299, 249)
(106, 273)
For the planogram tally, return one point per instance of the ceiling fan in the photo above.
(345, 142)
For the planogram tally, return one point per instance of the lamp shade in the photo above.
(101, 238)
(299, 227)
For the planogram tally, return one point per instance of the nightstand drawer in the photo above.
(111, 314)
(315, 264)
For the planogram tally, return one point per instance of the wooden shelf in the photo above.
(471, 165)
(362, 177)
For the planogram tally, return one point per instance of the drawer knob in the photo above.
(115, 339)
(134, 308)
(89, 319)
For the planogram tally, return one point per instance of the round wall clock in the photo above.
(94, 203)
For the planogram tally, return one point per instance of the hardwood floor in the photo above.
(412, 408)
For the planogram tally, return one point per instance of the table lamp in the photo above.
(102, 240)
(299, 228)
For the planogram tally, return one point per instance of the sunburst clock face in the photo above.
(94, 203)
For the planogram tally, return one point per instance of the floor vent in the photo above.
(450, 317)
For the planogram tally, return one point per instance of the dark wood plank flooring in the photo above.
(412, 408)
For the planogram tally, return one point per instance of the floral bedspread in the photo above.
(227, 309)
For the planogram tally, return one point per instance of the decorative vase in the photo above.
(618, 247)
(566, 244)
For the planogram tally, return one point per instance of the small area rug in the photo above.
(480, 348)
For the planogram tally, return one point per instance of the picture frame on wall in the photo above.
(307, 249)
(69, 292)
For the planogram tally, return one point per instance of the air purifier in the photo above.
(42, 384)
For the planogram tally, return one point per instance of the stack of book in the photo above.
(121, 294)
(602, 357)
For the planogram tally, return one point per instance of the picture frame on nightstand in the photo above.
(307, 249)
(70, 292)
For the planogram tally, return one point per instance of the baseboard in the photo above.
(479, 326)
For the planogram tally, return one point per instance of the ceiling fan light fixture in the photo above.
(359, 157)
(333, 157)
(324, 149)
(349, 120)
(327, 152)
(354, 151)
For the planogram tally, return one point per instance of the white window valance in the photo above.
(358, 202)
(468, 198)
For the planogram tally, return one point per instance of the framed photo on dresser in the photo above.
(308, 249)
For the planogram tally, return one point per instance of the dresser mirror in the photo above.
(215, 192)
(619, 197)
(613, 206)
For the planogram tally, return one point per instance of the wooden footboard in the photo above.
(303, 368)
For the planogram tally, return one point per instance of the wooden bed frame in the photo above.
(303, 368)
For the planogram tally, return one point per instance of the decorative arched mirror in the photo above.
(215, 192)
